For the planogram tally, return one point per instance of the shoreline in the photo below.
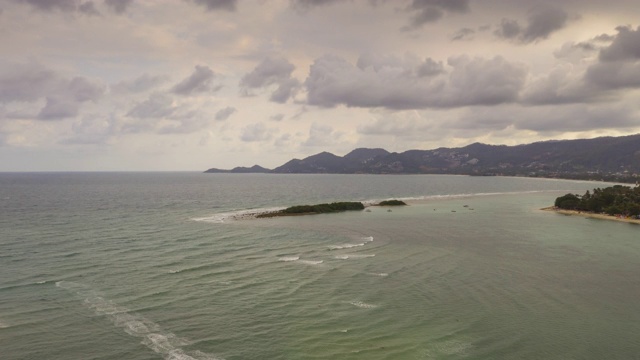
(590, 215)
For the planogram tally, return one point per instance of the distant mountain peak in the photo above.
(364, 154)
(599, 158)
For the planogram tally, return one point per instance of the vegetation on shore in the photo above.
(614, 200)
(392, 203)
(315, 209)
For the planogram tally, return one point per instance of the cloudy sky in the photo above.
(103, 85)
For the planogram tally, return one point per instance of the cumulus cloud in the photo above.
(91, 129)
(469, 81)
(408, 125)
(212, 5)
(541, 23)
(223, 114)
(200, 81)
(272, 72)
(118, 6)
(575, 52)
(256, 132)
(320, 135)
(564, 84)
(428, 11)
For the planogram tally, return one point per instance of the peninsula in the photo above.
(617, 202)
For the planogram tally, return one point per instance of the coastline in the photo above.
(590, 215)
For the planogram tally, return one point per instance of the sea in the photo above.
(165, 266)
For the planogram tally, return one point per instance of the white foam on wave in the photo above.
(162, 342)
(172, 271)
(361, 256)
(363, 305)
(3, 325)
(379, 274)
(236, 215)
(41, 282)
(311, 262)
(345, 246)
(289, 258)
(354, 256)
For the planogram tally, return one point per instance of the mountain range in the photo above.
(603, 158)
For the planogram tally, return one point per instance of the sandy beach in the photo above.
(590, 215)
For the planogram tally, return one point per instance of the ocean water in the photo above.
(152, 266)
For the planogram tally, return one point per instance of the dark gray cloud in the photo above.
(68, 6)
(88, 8)
(508, 29)
(71, 6)
(541, 23)
(624, 47)
(28, 82)
(211, 5)
(428, 11)
(223, 114)
(272, 72)
(200, 81)
(468, 81)
(157, 106)
(81, 89)
(57, 108)
(140, 84)
(618, 64)
(118, 6)
(51, 5)
(277, 117)
(463, 34)
(313, 3)
(614, 75)
(430, 68)
(32, 82)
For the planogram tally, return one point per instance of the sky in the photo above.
(186, 85)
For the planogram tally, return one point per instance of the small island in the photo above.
(325, 208)
(617, 202)
(391, 203)
(314, 209)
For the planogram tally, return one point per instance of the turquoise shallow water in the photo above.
(149, 266)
